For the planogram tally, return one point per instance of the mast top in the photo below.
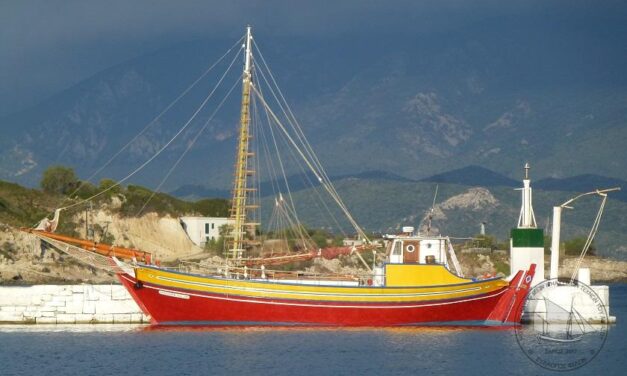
(249, 38)
(527, 168)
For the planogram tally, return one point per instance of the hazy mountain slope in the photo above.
(552, 93)
(473, 175)
(386, 206)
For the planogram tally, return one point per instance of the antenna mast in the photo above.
(526, 219)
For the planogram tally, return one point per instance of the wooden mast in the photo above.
(243, 168)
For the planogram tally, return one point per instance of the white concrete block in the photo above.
(11, 316)
(46, 320)
(37, 289)
(74, 307)
(603, 292)
(121, 318)
(61, 298)
(89, 307)
(46, 297)
(65, 318)
(36, 300)
(50, 289)
(78, 289)
(47, 308)
(103, 318)
(65, 291)
(20, 308)
(10, 296)
(48, 314)
(100, 290)
(91, 294)
(83, 318)
(119, 293)
(118, 306)
(58, 303)
(137, 318)
(32, 315)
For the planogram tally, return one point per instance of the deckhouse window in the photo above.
(398, 248)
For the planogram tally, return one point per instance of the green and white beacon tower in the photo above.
(527, 240)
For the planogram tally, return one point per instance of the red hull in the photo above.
(502, 307)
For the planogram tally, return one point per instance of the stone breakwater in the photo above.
(68, 304)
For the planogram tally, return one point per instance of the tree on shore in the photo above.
(574, 246)
(59, 180)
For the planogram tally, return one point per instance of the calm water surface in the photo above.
(138, 350)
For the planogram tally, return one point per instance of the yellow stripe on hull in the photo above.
(273, 290)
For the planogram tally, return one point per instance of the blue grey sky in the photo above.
(46, 46)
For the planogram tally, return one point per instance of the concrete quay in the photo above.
(69, 304)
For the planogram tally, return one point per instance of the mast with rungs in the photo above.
(243, 168)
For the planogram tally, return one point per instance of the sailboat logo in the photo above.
(565, 325)
(562, 325)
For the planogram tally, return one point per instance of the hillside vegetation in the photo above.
(129, 216)
(385, 206)
(24, 207)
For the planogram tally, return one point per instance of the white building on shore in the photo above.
(203, 229)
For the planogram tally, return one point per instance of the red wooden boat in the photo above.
(488, 302)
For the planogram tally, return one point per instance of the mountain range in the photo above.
(384, 206)
(413, 106)
(462, 199)
(471, 176)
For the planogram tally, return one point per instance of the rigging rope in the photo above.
(325, 183)
(291, 118)
(202, 105)
(153, 121)
(320, 173)
(281, 221)
(189, 146)
(591, 235)
(279, 159)
(306, 176)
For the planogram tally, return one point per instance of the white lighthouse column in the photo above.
(555, 241)
(527, 241)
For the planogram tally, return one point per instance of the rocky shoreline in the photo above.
(23, 261)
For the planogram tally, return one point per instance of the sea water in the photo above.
(140, 350)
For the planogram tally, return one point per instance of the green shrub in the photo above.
(59, 180)
(108, 183)
(212, 207)
(86, 190)
(573, 247)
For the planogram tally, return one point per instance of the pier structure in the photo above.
(527, 247)
(69, 304)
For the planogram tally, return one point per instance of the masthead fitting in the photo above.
(527, 168)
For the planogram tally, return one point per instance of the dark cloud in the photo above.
(48, 45)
